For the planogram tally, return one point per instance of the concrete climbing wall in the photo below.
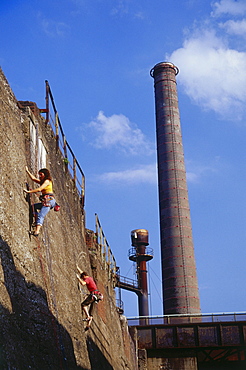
(41, 323)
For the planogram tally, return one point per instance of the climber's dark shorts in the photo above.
(95, 296)
(88, 300)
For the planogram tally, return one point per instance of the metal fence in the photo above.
(187, 319)
(70, 161)
(128, 281)
(106, 254)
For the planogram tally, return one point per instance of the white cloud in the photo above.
(128, 8)
(196, 172)
(237, 28)
(212, 74)
(121, 7)
(52, 28)
(212, 61)
(229, 7)
(143, 174)
(118, 132)
(140, 15)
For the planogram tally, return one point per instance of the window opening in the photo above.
(42, 154)
(33, 146)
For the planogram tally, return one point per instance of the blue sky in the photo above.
(96, 55)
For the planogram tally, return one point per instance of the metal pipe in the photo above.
(139, 239)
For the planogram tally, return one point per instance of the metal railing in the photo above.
(120, 305)
(133, 254)
(127, 281)
(188, 319)
(70, 161)
(106, 254)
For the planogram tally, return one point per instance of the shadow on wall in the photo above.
(30, 335)
(31, 209)
(97, 358)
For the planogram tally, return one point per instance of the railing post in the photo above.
(74, 171)
(83, 191)
(47, 89)
(104, 251)
(98, 235)
(57, 131)
(65, 152)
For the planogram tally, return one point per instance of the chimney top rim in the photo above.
(163, 65)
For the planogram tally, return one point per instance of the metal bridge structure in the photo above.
(215, 341)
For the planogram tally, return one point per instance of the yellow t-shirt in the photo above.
(48, 189)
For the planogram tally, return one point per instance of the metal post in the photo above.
(47, 88)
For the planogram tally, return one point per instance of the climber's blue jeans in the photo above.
(43, 211)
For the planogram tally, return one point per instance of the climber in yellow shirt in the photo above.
(47, 198)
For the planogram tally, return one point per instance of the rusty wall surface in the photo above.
(41, 323)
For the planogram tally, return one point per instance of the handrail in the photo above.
(106, 254)
(135, 251)
(120, 304)
(70, 161)
(128, 281)
(188, 318)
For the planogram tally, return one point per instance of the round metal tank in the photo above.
(140, 237)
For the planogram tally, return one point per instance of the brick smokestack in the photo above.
(180, 287)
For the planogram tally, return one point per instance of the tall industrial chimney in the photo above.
(180, 287)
